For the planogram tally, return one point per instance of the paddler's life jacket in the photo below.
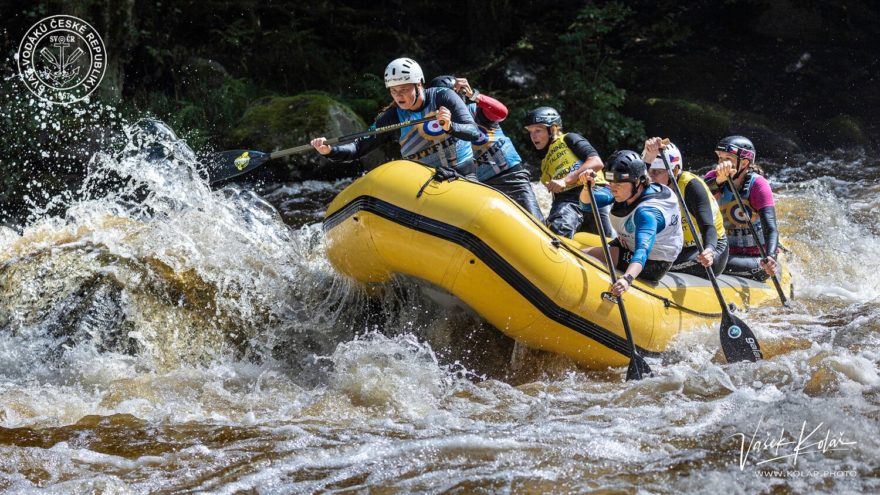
(428, 142)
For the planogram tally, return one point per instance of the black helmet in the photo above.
(740, 146)
(626, 166)
(442, 82)
(544, 115)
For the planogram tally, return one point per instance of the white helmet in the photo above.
(672, 153)
(403, 71)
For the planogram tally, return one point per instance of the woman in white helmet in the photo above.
(445, 141)
(701, 204)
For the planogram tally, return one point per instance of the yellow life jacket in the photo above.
(560, 161)
(684, 179)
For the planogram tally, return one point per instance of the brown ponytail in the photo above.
(391, 105)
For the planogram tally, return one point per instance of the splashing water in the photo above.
(149, 261)
(158, 335)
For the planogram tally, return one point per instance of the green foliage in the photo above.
(666, 24)
(205, 113)
(201, 64)
(585, 68)
(285, 47)
(367, 95)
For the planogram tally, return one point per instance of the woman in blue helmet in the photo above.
(444, 142)
(736, 160)
(646, 217)
(497, 161)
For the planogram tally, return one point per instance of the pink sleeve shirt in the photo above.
(760, 196)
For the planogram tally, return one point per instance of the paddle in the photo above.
(761, 247)
(737, 340)
(638, 368)
(226, 165)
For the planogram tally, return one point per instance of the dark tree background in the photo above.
(798, 77)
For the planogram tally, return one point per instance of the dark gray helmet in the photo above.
(740, 146)
(545, 116)
(626, 166)
(442, 82)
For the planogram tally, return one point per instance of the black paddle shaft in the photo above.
(740, 344)
(226, 165)
(698, 240)
(351, 137)
(637, 365)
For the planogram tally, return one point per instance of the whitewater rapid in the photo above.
(161, 336)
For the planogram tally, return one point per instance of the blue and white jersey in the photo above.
(493, 151)
(428, 142)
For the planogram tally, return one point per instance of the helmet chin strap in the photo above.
(419, 100)
(738, 171)
(636, 186)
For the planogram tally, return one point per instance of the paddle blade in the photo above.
(229, 164)
(638, 368)
(737, 340)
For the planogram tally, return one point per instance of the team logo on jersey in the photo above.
(432, 128)
(738, 215)
(485, 136)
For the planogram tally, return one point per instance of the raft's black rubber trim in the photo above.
(492, 259)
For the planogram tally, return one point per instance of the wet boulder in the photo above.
(843, 131)
(697, 126)
(82, 296)
(280, 122)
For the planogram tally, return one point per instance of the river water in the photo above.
(163, 337)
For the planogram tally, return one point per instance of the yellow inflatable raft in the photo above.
(537, 288)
